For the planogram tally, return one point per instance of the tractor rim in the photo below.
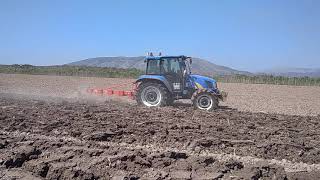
(204, 102)
(151, 96)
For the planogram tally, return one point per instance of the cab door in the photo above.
(171, 68)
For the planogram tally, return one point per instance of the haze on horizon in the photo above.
(245, 35)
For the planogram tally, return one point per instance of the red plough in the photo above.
(114, 91)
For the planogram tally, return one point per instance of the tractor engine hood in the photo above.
(203, 82)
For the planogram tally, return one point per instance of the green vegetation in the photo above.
(269, 79)
(134, 73)
(70, 71)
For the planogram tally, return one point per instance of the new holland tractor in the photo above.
(169, 78)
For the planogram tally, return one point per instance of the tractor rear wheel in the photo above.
(152, 94)
(204, 100)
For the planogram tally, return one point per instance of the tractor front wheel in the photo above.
(152, 94)
(204, 100)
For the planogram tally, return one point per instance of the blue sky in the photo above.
(248, 35)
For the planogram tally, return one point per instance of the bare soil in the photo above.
(49, 134)
(280, 99)
(82, 140)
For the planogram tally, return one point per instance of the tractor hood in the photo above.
(203, 82)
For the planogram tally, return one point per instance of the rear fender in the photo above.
(160, 79)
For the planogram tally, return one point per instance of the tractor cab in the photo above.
(174, 69)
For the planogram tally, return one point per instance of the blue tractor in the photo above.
(169, 78)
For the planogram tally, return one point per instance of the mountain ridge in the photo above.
(199, 65)
(294, 72)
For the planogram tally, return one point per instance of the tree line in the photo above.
(65, 70)
(269, 79)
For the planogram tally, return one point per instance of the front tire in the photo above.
(152, 94)
(204, 100)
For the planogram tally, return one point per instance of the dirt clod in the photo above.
(100, 136)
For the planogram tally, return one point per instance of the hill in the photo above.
(294, 72)
(199, 66)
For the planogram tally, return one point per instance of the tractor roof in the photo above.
(159, 57)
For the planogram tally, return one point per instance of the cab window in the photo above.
(153, 67)
(171, 65)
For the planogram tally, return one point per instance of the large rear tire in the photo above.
(152, 94)
(204, 100)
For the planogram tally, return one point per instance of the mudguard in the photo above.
(155, 77)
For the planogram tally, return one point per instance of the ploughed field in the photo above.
(292, 100)
(102, 140)
(50, 129)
